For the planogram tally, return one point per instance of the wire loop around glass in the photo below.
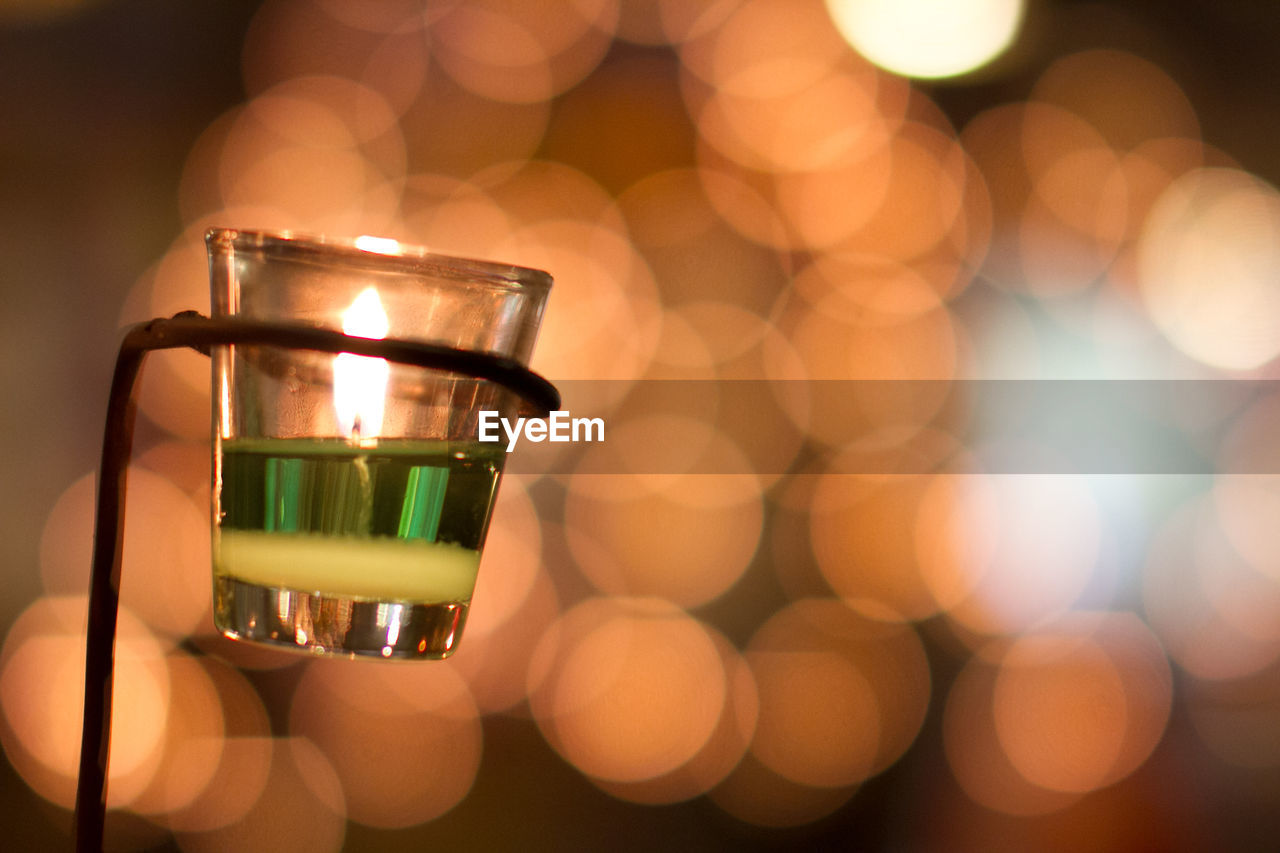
(190, 329)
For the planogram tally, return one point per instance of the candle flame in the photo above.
(360, 382)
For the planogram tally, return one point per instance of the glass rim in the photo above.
(377, 253)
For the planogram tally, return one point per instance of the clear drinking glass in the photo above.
(351, 497)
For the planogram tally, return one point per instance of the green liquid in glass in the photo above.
(398, 524)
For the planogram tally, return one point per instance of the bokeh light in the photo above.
(1214, 612)
(513, 548)
(758, 796)
(850, 317)
(899, 202)
(166, 550)
(764, 46)
(1234, 718)
(322, 150)
(1001, 553)
(693, 252)
(380, 47)
(926, 38)
(723, 749)
(451, 216)
(701, 534)
(1245, 506)
(878, 676)
(774, 88)
(238, 777)
(419, 758)
(42, 693)
(974, 753)
(1080, 705)
(185, 464)
(193, 740)
(300, 807)
(628, 689)
(807, 699)
(1074, 706)
(1220, 225)
(175, 393)
(513, 604)
(521, 52)
(862, 528)
(495, 658)
(481, 132)
(841, 697)
(1102, 86)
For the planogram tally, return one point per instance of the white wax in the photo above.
(341, 566)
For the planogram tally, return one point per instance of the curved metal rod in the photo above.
(189, 329)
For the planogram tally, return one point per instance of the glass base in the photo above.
(327, 625)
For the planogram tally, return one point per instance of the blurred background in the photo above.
(791, 652)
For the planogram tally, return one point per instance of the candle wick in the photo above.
(364, 521)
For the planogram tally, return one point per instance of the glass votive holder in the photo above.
(351, 496)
